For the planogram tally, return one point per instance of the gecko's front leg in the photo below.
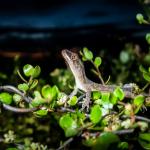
(73, 93)
(86, 101)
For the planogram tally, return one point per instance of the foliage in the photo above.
(53, 117)
(111, 114)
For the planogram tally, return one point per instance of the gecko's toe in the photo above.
(85, 105)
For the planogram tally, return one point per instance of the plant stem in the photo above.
(126, 131)
(22, 78)
(99, 73)
(65, 143)
(147, 84)
(18, 110)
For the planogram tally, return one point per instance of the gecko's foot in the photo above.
(85, 104)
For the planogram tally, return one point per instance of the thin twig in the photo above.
(18, 110)
(143, 89)
(21, 76)
(142, 118)
(138, 118)
(99, 73)
(65, 143)
(126, 131)
(81, 97)
(119, 132)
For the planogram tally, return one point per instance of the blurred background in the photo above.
(38, 30)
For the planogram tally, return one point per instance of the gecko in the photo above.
(83, 83)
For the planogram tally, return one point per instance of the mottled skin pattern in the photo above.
(83, 83)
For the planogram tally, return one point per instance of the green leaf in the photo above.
(142, 69)
(87, 54)
(148, 38)
(46, 91)
(28, 70)
(95, 114)
(118, 92)
(123, 146)
(37, 94)
(97, 61)
(140, 18)
(105, 140)
(146, 59)
(69, 125)
(41, 112)
(105, 96)
(23, 87)
(138, 100)
(96, 95)
(54, 92)
(145, 136)
(17, 98)
(144, 140)
(73, 101)
(146, 76)
(113, 99)
(34, 84)
(66, 121)
(50, 92)
(124, 57)
(36, 72)
(89, 142)
(38, 100)
(6, 98)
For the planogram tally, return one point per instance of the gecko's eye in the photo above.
(74, 57)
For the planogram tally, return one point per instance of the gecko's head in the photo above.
(72, 60)
(69, 56)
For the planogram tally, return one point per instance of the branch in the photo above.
(28, 99)
(138, 118)
(65, 143)
(142, 118)
(120, 132)
(18, 110)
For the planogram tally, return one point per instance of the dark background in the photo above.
(38, 30)
(54, 23)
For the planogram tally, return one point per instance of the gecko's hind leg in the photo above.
(86, 101)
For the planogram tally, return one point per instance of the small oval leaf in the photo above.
(36, 72)
(41, 112)
(96, 95)
(118, 92)
(46, 90)
(6, 98)
(69, 125)
(17, 98)
(87, 53)
(138, 100)
(95, 114)
(142, 69)
(23, 87)
(97, 61)
(146, 76)
(28, 70)
(105, 96)
(34, 84)
(73, 101)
